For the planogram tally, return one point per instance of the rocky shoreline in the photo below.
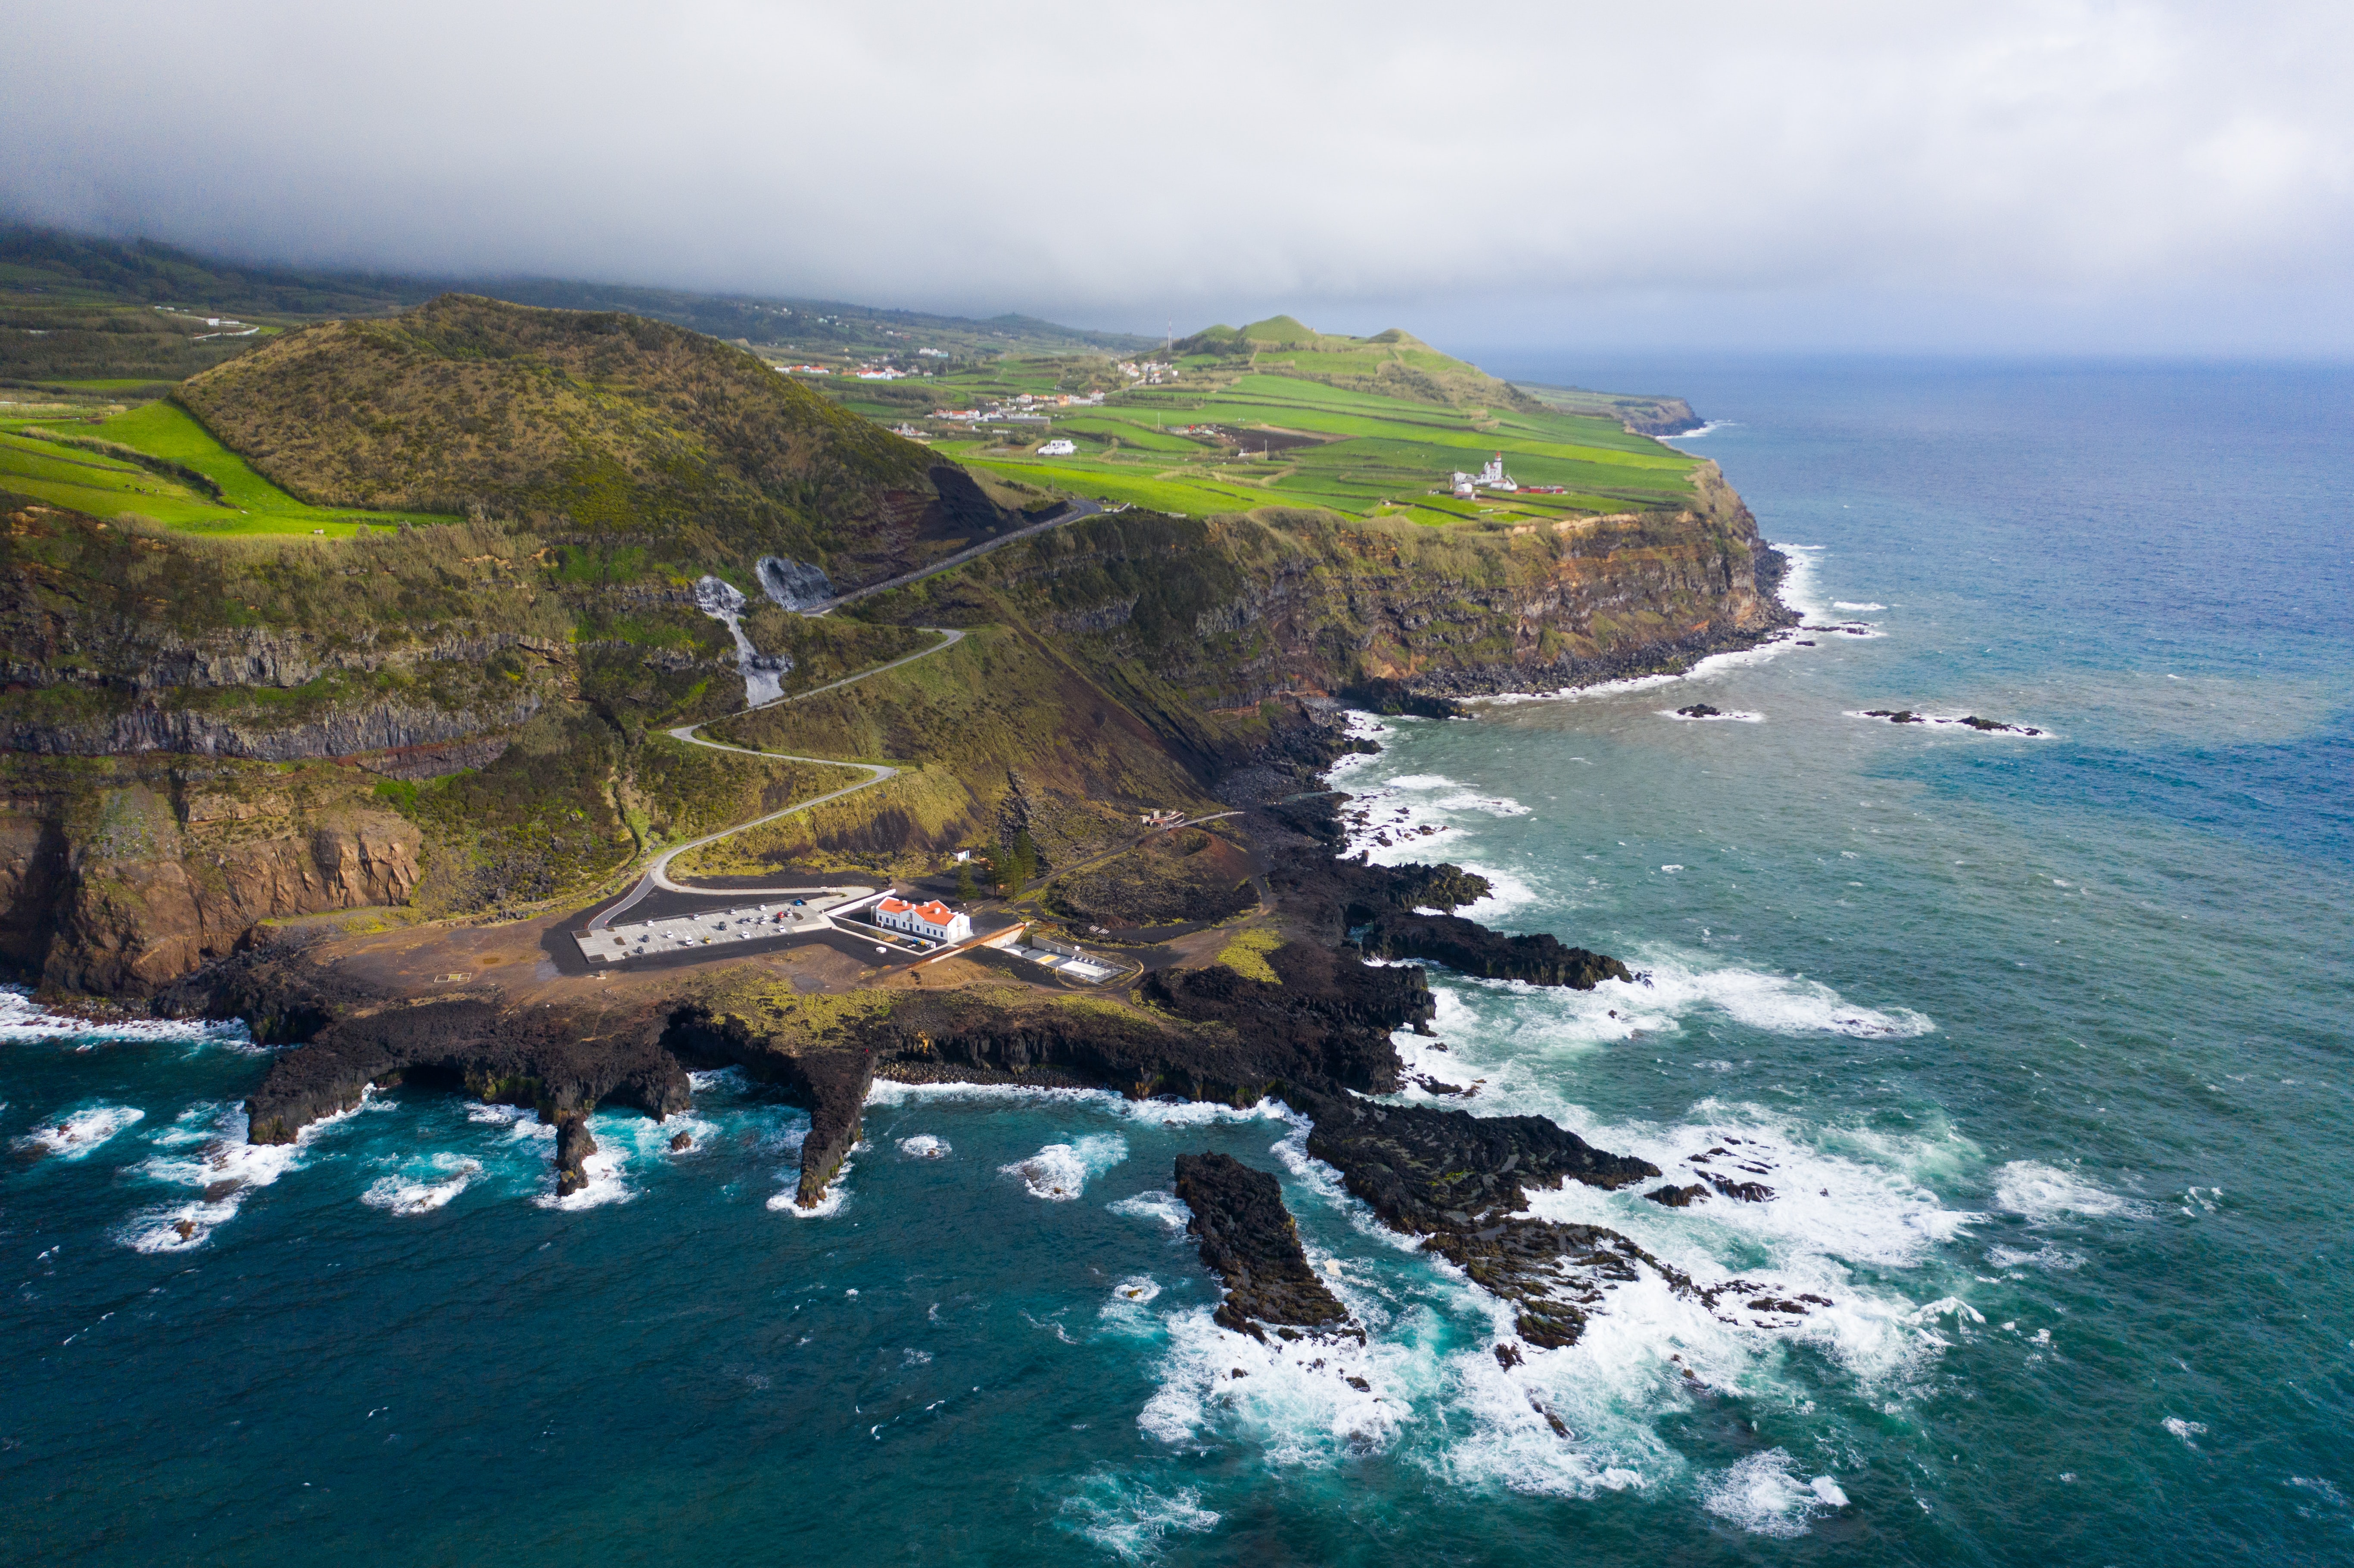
(1316, 1039)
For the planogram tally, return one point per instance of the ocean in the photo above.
(2040, 1042)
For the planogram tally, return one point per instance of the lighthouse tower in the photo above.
(1493, 476)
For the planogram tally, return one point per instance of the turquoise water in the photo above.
(2041, 1042)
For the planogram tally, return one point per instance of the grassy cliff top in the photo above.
(1278, 414)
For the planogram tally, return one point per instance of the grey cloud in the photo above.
(1737, 165)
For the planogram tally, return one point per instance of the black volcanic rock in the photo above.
(1469, 948)
(1423, 1169)
(1674, 1197)
(1382, 695)
(573, 1145)
(1701, 710)
(1249, 1238)
(526, 1058)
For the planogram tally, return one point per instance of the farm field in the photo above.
(1277, 434)
(108, 483)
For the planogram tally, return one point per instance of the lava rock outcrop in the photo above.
(1250, 1240)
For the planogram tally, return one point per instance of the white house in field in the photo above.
(1058, 449)
(935, 920)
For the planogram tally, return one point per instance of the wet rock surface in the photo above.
(1249, 1239)
(538, 1059)
(1317, 1037)
(1424, 1169)
(1472, 948)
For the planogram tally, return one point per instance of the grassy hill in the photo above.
(1391, 364)
(646, 434)
(1277, 414)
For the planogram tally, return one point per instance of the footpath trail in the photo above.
(657, 876)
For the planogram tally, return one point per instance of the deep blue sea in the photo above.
(2041, 1042)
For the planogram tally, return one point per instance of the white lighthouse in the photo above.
(1493, 476)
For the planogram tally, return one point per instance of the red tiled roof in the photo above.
(938, 913)
(894, 907)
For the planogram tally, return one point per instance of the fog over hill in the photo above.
(2146, 177)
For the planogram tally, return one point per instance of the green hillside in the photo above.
(1278, 414)
(154, 462)
(654, 436)
(77, 311)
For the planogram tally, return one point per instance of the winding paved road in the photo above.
(1078, 509)
(657, 876)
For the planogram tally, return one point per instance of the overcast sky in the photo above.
(1988, 176)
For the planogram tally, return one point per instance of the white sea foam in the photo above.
(2047, 1256)
(1763, 1495)
(2186, 1430)
(1776, 1004)
(1166, 1207)
(885, 1094)
(1727, 717)
(1418, 816)
(2043, 1193)
(1959, 721)
(829, 1202)
(77, 1133)
(1128, 1310)
(1132, 1520)
(1678, 986)
(1851, 605)
(521, 1122)
(924, 1146)
(228, 1170)
(1297, 1412)
(1059, 1171)
(602, 1183)
(23, 1020)
(446, 1176)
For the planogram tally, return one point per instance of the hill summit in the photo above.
(1394, 364)
(588, 422)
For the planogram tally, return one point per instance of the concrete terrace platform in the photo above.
(708, 929)
(1094, 971)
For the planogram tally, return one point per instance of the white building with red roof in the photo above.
(934, 920)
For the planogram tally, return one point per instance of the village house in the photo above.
(933, 920)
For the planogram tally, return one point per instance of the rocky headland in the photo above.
(357, 791)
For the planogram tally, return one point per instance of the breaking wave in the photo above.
(77, 1133)
(1059, 1171)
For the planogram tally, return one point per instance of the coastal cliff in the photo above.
(468, 719)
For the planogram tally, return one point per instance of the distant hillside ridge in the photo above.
(137, 310)
(1393, 363)
(1646, 416)
(608, 427)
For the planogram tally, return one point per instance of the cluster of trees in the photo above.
(1007, 867)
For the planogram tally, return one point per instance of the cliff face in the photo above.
(496, 689)
(118, 876)
(1225, 614)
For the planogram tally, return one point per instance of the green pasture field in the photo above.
(1373, 453)
(105, 485)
